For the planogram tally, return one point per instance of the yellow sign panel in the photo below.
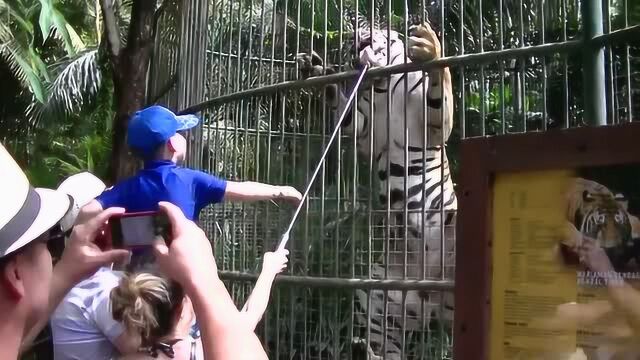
(545, 304)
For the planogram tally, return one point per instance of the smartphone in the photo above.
(136, 233)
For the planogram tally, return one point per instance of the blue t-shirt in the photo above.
(190, 190)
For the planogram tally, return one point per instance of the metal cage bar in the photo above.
(515, 66)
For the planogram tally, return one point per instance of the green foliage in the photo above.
(75, 86)
(24, 39)
(58, 153)
(57, 121)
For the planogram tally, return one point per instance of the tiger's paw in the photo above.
(424, 44)
(310, 65)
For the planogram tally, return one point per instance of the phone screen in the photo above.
(137, 233)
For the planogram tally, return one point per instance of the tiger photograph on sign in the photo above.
(566, 260)
(602, 240)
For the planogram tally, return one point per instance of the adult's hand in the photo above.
(188, 257)
(82, 257)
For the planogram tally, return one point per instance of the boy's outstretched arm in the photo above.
(255, 191)
(254, 308)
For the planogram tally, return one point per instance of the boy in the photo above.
(153, 136)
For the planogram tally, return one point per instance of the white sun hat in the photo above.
(81, 188)
(26, 213)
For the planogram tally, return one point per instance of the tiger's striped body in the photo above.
(414, 178)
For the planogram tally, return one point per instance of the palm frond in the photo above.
(53, 23)
(45, 20)
(5, 32)
(76, 39)
(17, 15)
(20, 62)
(77, 84)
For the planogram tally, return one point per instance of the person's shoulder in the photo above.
(102, 274)
(89, 292)
(120, 185)
(106, 274)
(186, 170)
(118, 193)
(193, 173)
(103, 280)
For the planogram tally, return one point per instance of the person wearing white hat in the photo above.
(82, 326)
(81, 189)
(30, 288)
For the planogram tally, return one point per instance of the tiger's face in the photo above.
(600, 214)
(377, 48)
(605, 219)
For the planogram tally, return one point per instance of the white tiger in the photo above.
(426, 172)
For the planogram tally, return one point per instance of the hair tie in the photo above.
(165, 348)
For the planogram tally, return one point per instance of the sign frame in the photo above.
(480, 160)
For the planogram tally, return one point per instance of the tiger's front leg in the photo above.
(311, 65)
(424, 44)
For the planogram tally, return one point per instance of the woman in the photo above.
(157, 311)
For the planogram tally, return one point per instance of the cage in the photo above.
(372, 261)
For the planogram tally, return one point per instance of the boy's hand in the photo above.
(290, 195)
(275, 262)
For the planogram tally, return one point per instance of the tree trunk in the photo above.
(129, 68)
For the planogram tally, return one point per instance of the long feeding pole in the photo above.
(285, 236)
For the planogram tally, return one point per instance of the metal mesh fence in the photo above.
(358, 275)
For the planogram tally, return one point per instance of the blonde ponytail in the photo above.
(145, 304)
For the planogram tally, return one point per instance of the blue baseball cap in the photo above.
(151, 127)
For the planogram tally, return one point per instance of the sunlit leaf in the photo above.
(22, 65)
(76, 40)
(46, 18)
(62, 31)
